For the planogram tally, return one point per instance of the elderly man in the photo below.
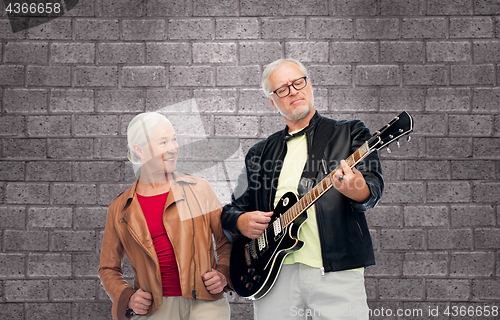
(325, 278)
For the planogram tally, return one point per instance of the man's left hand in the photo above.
(351, 183)
(214, 281)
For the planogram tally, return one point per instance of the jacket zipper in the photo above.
(193, 291)
(323, 164)
(318, 217)
(194, 261)
(145, 251)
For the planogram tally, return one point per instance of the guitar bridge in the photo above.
(250, 252)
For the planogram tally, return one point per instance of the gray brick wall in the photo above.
(70, 85)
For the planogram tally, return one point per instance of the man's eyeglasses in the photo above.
(298, 84)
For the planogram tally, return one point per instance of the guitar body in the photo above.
(256, 263)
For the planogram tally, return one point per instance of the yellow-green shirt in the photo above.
(293, 165)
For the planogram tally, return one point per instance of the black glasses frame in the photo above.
(290, 85)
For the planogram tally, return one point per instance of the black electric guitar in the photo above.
(256, 263)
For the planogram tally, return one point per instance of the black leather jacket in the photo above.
(344, 236)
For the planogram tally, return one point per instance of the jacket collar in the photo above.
(175, 189)
(312, 124)
(132, 211)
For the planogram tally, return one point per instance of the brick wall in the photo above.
(69, 87)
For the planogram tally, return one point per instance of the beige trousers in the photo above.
(179, 308)
(301, 291)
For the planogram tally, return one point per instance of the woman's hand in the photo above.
(214, 281)
(140, 301)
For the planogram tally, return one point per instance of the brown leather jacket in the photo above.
(192, 214)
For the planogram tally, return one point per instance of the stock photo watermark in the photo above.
(452, 310)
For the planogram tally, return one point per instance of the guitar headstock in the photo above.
(400, 126)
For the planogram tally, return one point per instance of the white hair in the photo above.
(137, 132)
(270, 68)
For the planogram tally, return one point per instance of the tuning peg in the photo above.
(408, 139)
(388, 150)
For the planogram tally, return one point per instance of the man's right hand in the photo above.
(252, 224)
(140, 301)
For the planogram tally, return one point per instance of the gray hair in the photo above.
(270, 68)
(137, 132)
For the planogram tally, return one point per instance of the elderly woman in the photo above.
(164, 223)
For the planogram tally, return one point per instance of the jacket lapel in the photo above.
(133, 215)
(136, 222)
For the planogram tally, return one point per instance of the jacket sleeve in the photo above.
(222, 244)
(110, 270)
(370, 167)
(223, 248)
(238, 205)
(241, 199)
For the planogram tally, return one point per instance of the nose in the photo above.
(172, 147)
(293, 91)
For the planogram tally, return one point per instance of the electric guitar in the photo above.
(256, 263)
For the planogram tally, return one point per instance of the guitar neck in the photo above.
(322, 187)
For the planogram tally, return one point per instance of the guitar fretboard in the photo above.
(315, 193)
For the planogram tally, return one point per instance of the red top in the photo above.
(152, 207)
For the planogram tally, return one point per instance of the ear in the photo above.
(272, 102)
(138, 151)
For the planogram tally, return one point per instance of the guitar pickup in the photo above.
(262, 241)
(277, 227)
